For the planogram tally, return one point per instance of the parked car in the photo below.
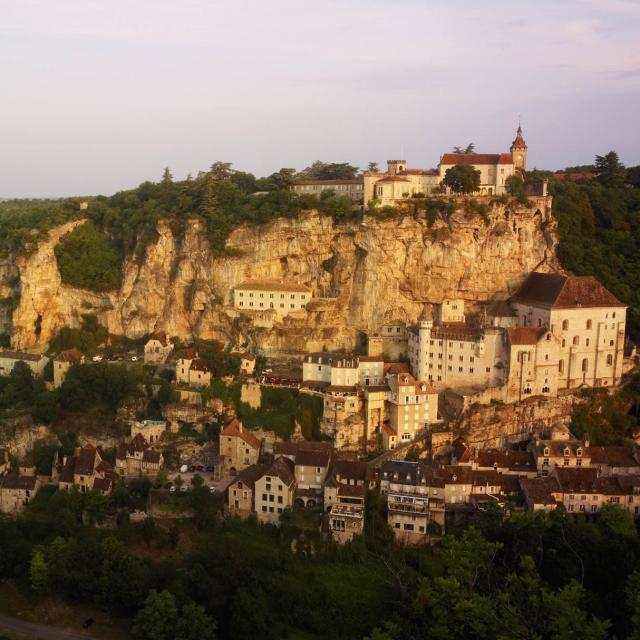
(212, 489)
(97, 358)
(184, 468)
(172, 488)
(134, 358)
(199, 467)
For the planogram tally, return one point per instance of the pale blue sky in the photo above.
(99, 95)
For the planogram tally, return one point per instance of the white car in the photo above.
(134, 358)
(97, 358)
(212, 489)
(172, 488)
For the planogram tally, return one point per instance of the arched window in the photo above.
(589, 324)
(561, 366)
(585, 365)
(609, 359)
(576, 341)
(565, 325)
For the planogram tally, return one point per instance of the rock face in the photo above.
(362, 275)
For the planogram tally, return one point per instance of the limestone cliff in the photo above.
(361, 274)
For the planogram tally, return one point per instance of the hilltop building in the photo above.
(353, 189)
(157, 348)
(277, 296)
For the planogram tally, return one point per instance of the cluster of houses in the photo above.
(400, 182)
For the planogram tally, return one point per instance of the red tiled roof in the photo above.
(70, 355)
(200, 365)
(235, 430)
(188, 354)
(613, 456)
(24, 483)
(539, 490)
(161, 337)
(526, 335)
(393, 179)
(562, 292)
(388, 429)
(476, 158)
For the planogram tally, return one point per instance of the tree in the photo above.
(174, 535)
(373, 167)
(470, 148)
(148, 530)
(515, 188)
(167, 176)
(330, 171)
(612, 172)
(220, 171)
(157, 619)
(39, 573)
(462, 178)
(617, 521)
(195, 624)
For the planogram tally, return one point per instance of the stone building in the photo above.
(192, 370)
(455, 353)
(138, 458)
(157, 348)
(247, 364)
(559, 448)
(586, 319)
(353, 189)
(86, 470)
(16, 492)
(346, 514)
(35, 362)
(413, 406)
(398, 183)
(241, 491)
(151, 430)
(63, 362)
(274, 490)
(239, 448)
(277, 296)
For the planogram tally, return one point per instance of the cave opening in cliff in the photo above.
(38, 325)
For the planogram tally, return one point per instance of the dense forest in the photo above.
(533, 576)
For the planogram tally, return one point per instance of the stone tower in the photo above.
(425, 324)
(519, 151)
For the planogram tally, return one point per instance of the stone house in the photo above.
(199, 373)
(586, 319)
(347, 473)
(151, 430)
(247, 364)
(16, 492)
(239, 448)
(505, 461)
(86, 470)
(241, 492)
(35, 362)
(561, 449)
(615, 461)
(274, 490)
(275, 296)
(398, 183)
(27, 466)
(138, 458)
(311, 469)
(346, 514)
(353, 189)
(157, 348)
(183, 365)
(413, 406)
(63, 362)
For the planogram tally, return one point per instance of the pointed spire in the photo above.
(519, 142)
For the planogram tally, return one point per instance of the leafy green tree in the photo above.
(462, 178)
(157, 619)
(612, 172)
(617, 521)
(195, 624)
(330, 171)
(373, 167)
(39, 573)
(515, 187)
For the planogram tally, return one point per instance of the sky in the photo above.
(97, 96)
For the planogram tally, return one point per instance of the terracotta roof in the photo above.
(411, 473)
(388, 429)
(454, 474)
(235, 429)
(512, 460)
(519, 142)
(200, 365)
(476, 158)
(352, 491)
(24, 483)
(85, 462)
(352, 470)
(456, 331)
(161, 337)
(292, 448)
(526, 335)
(248, 356)
(272, 285)
(151, 456)
(418, 172)
(391, 368)
(102, 484)
(461, 451)
(70, 355)
(395, 178)
(188, 354)
(613, 456)
(313, 458)
(629, 482)
(19, 355)
(577, 479)
(562, 292)
(539, 490)
(557, 447)
(337, 388)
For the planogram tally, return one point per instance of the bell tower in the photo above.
(519, 151)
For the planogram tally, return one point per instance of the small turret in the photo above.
(519, 151)
(425, 321)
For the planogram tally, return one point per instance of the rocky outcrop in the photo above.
(362, 275)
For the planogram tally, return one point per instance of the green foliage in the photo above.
(89, 259)
(87, 338)
(515, 188)
(462, 178)
(474, 208)
(599, 228)
(39, 573)
(330, 171)
(157, 619)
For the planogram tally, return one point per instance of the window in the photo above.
(565, 325)
(561, 366)
(589, 324)
(585, 365)
(576, 341)
(488, 370)
(609, 359)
